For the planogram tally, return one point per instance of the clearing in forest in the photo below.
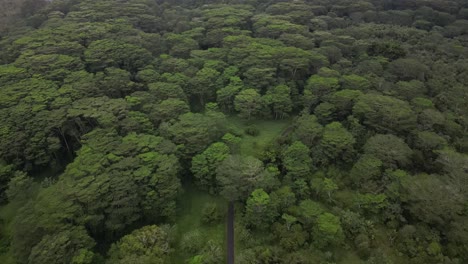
(268, 131)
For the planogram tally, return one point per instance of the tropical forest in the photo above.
(233, 131)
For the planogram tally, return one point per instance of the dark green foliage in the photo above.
(150, 244)
(135, 177)
(390, 50)
(237, 176)
(111, 53)
(252, 130)
(71, 246)
(391, 150)
(384, 113)
(211, 213)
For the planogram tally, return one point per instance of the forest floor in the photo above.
(189, 218)
(269, 131)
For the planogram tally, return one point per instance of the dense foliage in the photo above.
(110, 109)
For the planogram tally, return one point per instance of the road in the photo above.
(230, 233)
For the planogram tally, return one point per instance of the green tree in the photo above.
(391, 150)
(279, 101)
(366, 169)
(328, 231)
(307, 129)
(329, 186)
(149, 244)
(431, 200)
(106, 53)
(384, 113)
(343, 102)
(195, 131)
(205, 84)
(318, 89)
(355, 82)
(238, 176)
(308, 211)
(168, 109)
(20, 187)
(204, 165)
(225, 96)
(337, 143)
(283, 198)
(135, 178)
(259, 211)
(66, 246)
(248, 102)
(297, 161)
(408, 69)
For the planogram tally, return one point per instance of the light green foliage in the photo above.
(337, 143)
(384, 113)
(355, 82)
(371, 203)
(296, 160)
(329, 186)
(52, 66)
(204, 165)
(9, 74)
(289, 219)
(259, 211)
(149, 244)
(328, 231)
(232, 141)
(248, 102)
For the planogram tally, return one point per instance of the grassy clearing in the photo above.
(269, 131)
(189, 217)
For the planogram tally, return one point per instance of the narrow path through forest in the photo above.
(230, 233)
